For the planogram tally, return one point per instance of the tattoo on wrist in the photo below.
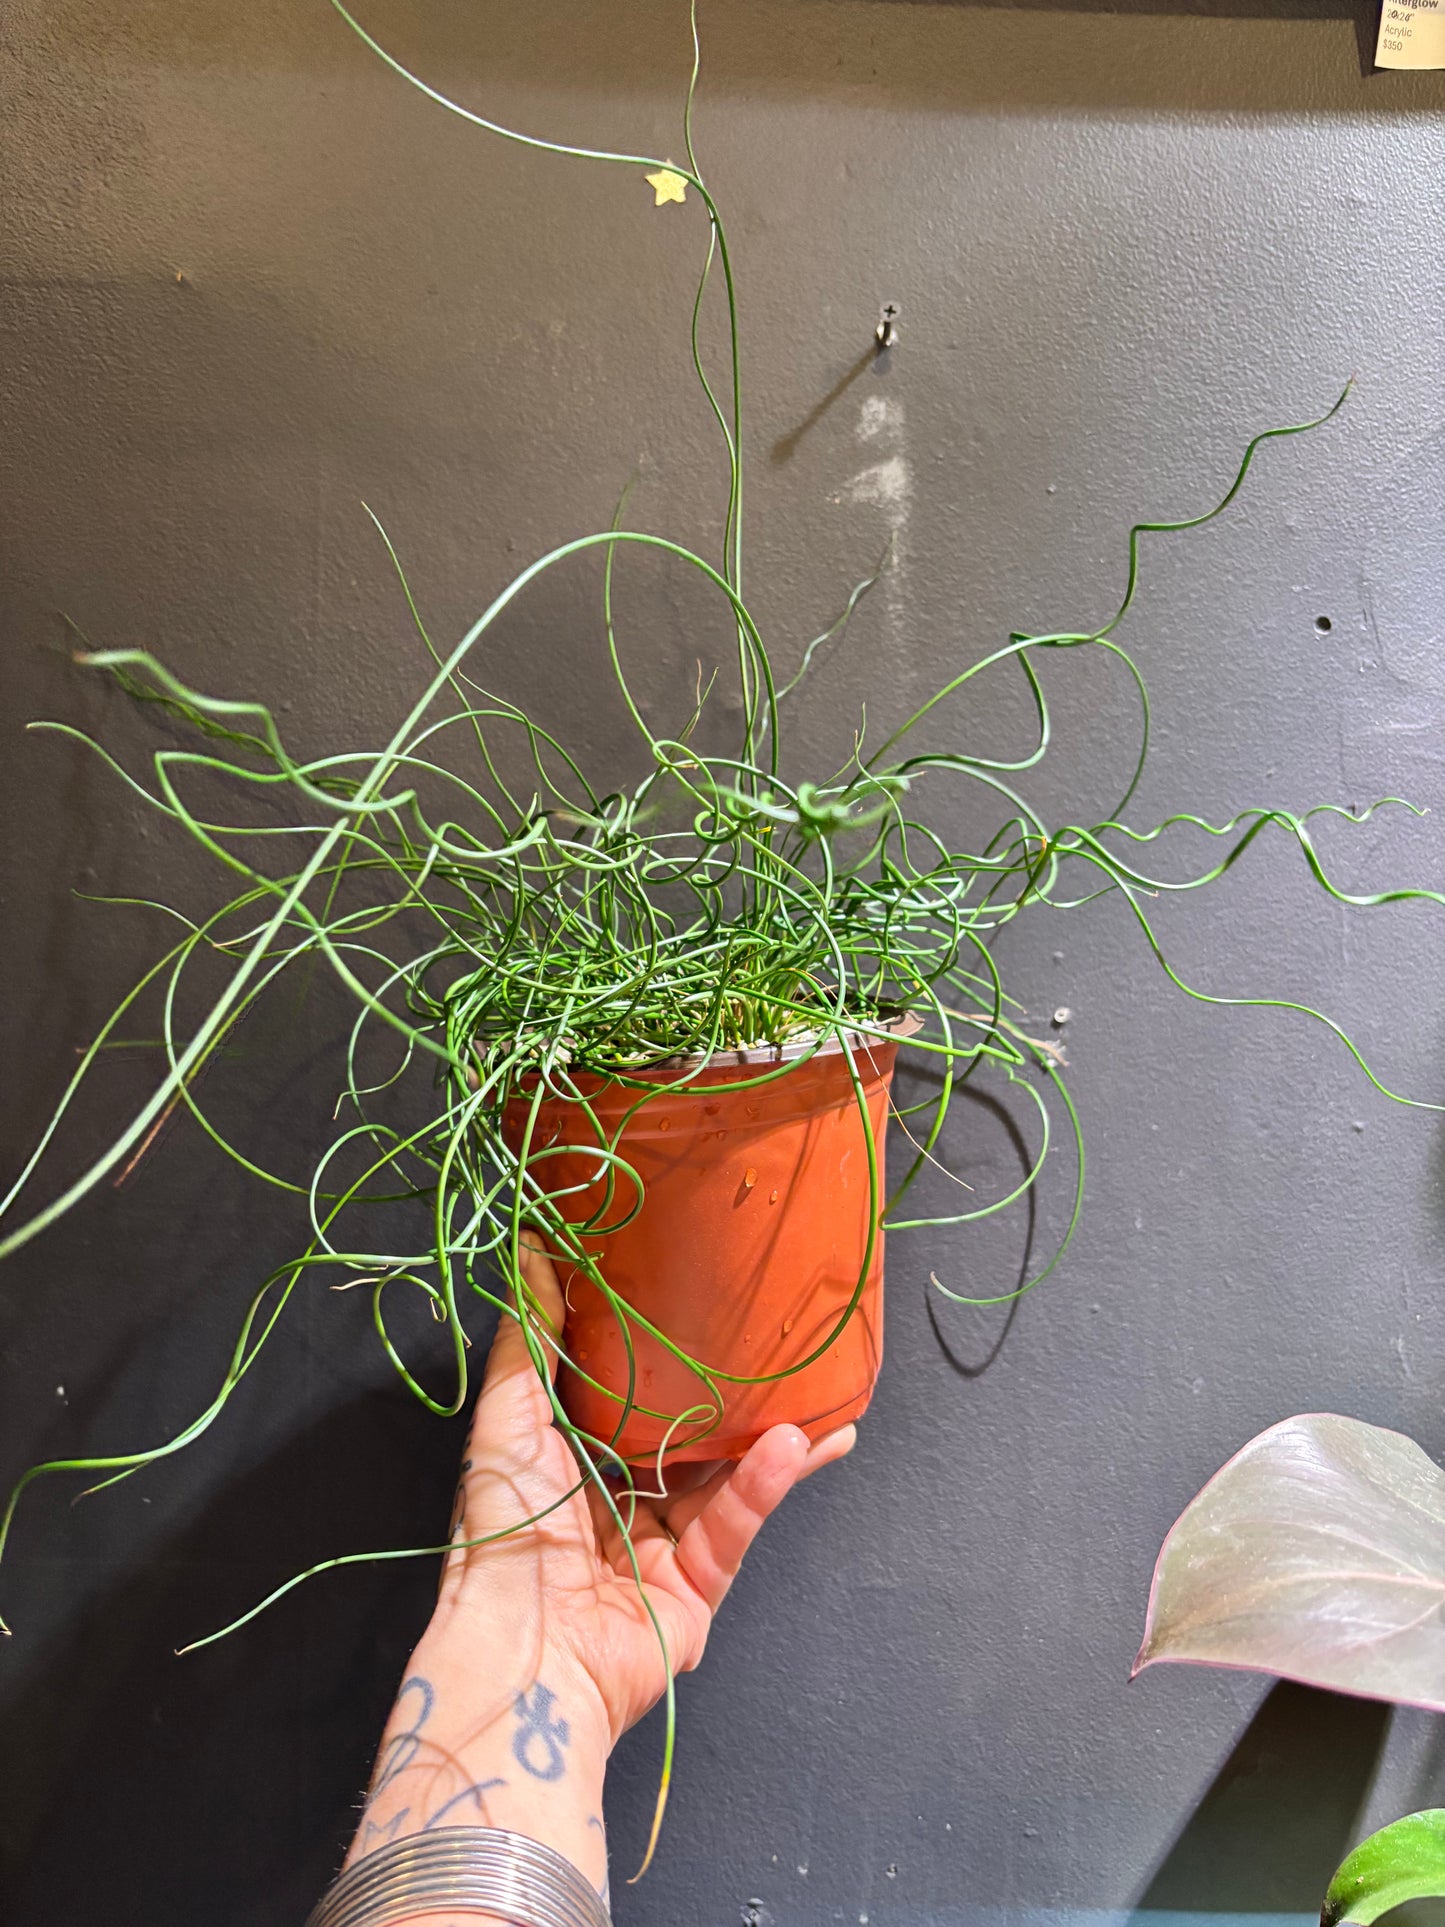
(378, 1833)
(402, 1748)
(539, 1746)
(606, 1888)
(540, 1742)
(418, 1696)
(473, 1793)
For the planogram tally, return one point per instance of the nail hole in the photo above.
(1323, 625)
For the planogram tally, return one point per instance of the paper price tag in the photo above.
(1412, 34)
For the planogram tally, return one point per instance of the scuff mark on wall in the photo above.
(887, 485)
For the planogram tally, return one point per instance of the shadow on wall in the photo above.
(1282, 1813)
(972, 1337)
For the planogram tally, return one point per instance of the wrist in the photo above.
(501, 1634)
(524, 1688)
(496, 1731)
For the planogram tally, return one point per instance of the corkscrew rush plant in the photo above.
(509, 938)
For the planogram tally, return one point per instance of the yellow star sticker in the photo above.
(669, 184)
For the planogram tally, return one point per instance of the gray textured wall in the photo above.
(250, 280)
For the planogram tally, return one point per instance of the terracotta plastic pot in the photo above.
(746, 1251)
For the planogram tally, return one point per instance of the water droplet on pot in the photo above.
(722, 1133)
(711, 1110)
(772, 1197)
(750, 1178)
(664, 1124)
(787, 1325)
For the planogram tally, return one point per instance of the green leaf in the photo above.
(1404, 1861)
(1317, 1553)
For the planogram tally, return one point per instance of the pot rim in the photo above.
(895, 1024)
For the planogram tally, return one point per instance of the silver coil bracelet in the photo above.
(464, 1870)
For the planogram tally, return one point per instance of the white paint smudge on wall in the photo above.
(878, 414)
(887, 485)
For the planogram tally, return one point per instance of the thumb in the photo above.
(549, 1305)
(512, 1392)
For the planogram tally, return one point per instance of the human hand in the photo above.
(568, 1580)
(542, 1652)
